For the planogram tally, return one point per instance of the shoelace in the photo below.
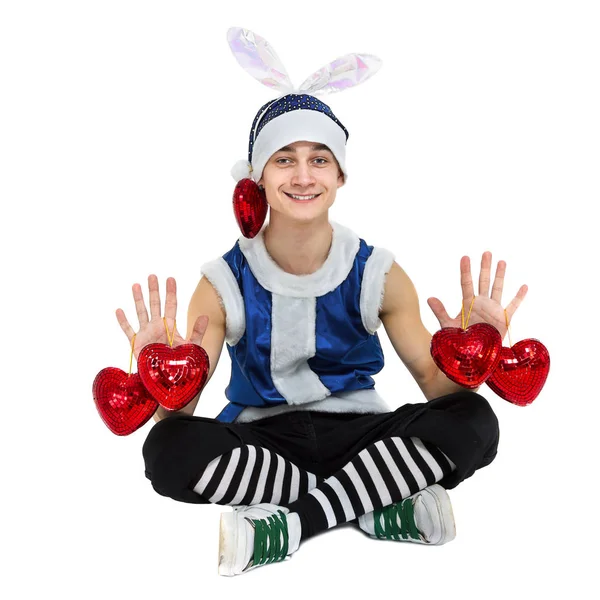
(386, 521)
(271, 530)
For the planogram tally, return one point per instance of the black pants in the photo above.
(463, 425)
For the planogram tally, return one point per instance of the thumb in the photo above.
(438, 310)
(199, 330)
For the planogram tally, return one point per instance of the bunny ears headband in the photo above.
(296, 114)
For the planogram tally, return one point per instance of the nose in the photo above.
(302, 175)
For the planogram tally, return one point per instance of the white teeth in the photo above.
(303, 197)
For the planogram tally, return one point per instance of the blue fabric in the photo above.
(346, 357)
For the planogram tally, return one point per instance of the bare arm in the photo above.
(401, 318)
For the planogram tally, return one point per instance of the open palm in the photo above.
(153, 330)
(487, 308)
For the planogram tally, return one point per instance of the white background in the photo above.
(119, 124)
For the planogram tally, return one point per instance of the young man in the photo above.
(305, 442)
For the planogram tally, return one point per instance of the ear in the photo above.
(341, 179)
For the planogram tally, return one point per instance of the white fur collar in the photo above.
(344, 246)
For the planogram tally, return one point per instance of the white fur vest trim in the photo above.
(344, 246)
(219, 274)
(372, 289)
(355, 401)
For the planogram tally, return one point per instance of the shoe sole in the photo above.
(228, 544)
(437, 495)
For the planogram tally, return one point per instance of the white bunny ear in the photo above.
(345, 72)
(257, 57)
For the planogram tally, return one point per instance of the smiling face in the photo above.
(301, 180)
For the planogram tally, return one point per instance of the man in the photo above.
(305, 442)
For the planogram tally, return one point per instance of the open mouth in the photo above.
(302, 197)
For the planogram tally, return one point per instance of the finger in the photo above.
(124, 323)
(154, 297)
(466, 282)
(499, 282)
(140, 307)
(199, 330)
(171, 302)
(438, 310)
(516, 302)
(484, 274)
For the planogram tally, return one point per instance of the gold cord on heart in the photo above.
(464, 326)
(462, 313)
(169, 337)
(131, 357)
(507, 328)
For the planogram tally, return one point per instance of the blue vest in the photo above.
(297, 340)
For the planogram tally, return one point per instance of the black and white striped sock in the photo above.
(251, 475)
(385, 472)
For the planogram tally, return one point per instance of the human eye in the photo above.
(279, 159)
(323, 159)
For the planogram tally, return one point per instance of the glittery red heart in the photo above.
(521, 372)
(467, 356)
(122, 401)
(173, 376)
(249, 206)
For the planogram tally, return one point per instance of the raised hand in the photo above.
(487, 307)
(153, 331)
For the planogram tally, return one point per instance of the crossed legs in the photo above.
(386, 458)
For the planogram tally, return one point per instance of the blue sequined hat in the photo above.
(296, 115)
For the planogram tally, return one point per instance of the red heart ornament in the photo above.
(467, 356)
(521, 372)
(249, 206)
(122, 401)
(173, 376)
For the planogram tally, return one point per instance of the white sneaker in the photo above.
(425, 517)
(251, 536)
